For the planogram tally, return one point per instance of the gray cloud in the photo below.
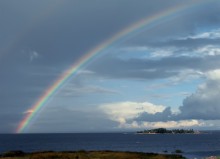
(188, 23)
(153, 69)
(204, 104)
(187, 44)
(74, 121)
(8, 120)
(164, 116)
(201, 105)
(75, 91)
(63, 31)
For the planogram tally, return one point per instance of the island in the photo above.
(166, 131)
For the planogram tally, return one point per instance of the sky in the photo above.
(166, 74)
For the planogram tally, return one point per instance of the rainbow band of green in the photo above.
(136, 28)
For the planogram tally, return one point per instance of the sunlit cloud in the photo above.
(168, 124)
(124, 111)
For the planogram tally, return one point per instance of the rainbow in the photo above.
(136, 28)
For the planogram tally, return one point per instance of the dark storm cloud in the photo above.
(61, 32)
(73, 27)
(66, 31)
(151, 68)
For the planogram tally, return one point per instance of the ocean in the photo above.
(192, 145)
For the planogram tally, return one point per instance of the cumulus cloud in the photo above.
(123, 112)
(159, 116)
(132, 115)
(142, 115)
(201, 105)
(204, 103)
(213, 75)
(196, 109)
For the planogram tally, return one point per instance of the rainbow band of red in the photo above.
(136, 28)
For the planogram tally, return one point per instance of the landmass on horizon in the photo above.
(166, 131)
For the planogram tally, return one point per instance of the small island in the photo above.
(166, 131)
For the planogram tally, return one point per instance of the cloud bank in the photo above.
(203, 105)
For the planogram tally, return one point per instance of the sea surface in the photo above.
(192, 145)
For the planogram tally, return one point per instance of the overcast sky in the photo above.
(167, 75)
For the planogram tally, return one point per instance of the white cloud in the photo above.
(124, 111)
(135, 48)
(201, 105)
(186, 75)
(213, 34)
(159, 53)
(147, 52)
(168, 124)
(211, 50)
(213, 75)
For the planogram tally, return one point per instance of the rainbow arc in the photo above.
(119, 37)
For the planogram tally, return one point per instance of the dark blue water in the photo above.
(193, 145)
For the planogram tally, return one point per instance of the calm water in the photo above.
(200, 145)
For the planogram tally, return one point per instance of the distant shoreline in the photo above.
(166, 131)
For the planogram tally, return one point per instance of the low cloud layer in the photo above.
(131, 115)
(203, 105)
